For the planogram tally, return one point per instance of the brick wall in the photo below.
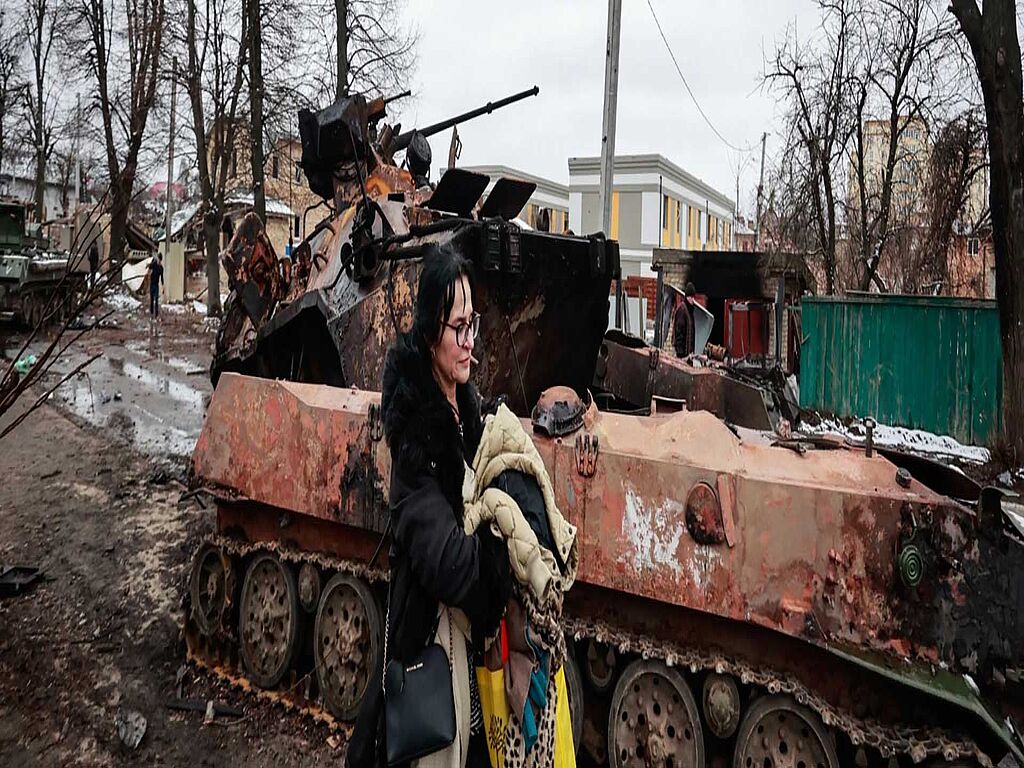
(643, 287)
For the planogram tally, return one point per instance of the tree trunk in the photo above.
(341, 11)
(211, 235)
(120, 198)
(40, 138)
(992, 35)
(256, 111)
(40, 180)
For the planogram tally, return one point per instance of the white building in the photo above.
(655, 204)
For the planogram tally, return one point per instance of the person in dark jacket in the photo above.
(156, 279)
(682, 331)
(431, 415)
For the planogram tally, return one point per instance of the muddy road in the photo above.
(90, 493)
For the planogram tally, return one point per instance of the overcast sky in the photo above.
(471, 52)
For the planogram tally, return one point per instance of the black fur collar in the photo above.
(418, 421)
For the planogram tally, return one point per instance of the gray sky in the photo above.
(471, 52)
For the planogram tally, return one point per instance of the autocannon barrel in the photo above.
(402, 140)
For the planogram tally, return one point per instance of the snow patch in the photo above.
(121, 300)
(903, 438)
(174, 309)
(199, 307)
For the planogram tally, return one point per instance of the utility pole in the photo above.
(78, 156)
(611, 97)
(760, 195)
(170, 160)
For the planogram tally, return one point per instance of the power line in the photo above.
(687, 85)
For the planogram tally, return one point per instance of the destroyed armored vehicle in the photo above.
(29, 274)
(741, 599)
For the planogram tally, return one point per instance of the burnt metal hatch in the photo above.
(457, 191)
(507, 198)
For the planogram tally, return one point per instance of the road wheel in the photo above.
(654, 720)
(268, 620)
(776, 732)
(346, 644)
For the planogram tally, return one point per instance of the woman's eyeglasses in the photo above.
(466, 330)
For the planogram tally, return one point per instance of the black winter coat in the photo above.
(432, 560)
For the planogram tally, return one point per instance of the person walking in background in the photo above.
(156, 278)
(94, 263)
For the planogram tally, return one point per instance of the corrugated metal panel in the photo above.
(926, 362)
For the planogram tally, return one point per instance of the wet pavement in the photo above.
(152, 388)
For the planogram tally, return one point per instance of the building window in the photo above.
(298, 223)
(275, 167)
(664, 211)
(679, 216)
(234, 163)
(973, 246)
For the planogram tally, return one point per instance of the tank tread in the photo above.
(890, 740)
(920, 744)
(284, 698)
(290, 697)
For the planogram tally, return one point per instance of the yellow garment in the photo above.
(496, 716)
(505, 445)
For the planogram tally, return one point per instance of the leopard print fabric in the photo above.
(544, 624)
(543, 753)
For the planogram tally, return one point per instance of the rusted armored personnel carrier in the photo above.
(741, 599)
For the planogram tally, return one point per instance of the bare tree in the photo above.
(256, 87)
(813, 81)
(991, 32)
(122, 44)
(958, 160)
(375, 50)
(40, 30)
(11, 86)
(904, 42)
(214, 80)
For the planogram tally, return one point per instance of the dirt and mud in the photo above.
(90, 489)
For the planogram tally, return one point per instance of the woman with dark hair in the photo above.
(443, 581)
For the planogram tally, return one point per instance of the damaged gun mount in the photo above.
(330, 316)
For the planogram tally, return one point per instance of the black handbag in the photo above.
(419, 705)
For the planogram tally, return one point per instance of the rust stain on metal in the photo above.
(727, 498)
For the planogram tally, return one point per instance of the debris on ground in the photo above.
(16, 579)
(25, 364)
(209, 707)
(131, 727)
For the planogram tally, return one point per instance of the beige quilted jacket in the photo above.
(506, 445)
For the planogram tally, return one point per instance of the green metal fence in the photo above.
(926, 362)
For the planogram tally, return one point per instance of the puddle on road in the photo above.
(160, 414)
(152, 350)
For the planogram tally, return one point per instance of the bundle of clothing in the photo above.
(510, 492)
